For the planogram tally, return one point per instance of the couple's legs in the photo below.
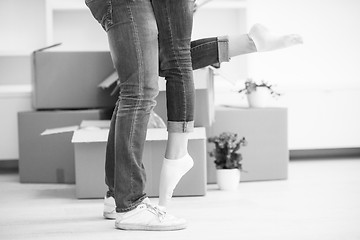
(205, 52)
(132, 28)
(133, 39)
(137, 71)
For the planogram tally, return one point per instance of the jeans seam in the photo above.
(140, 83)
(109, 15)
(168, 24)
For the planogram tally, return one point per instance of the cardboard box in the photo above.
(69, 80)
(83, 79)
(90, 148)
(266, 156)
(50, 159)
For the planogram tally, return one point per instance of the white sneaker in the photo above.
(147, 217)
(109, 208)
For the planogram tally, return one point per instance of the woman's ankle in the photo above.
(177, 144)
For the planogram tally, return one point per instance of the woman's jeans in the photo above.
(148, 38)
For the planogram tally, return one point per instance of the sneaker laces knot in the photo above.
(158, 212)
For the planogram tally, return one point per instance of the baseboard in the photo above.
(9, 165)
(324, 153)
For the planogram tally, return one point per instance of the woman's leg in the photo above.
(209, 51)
(174, 20)
(215, 50)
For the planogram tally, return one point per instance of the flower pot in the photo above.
(259, 98)
(228, 179)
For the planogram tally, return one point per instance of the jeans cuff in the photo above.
(223, 49)
(131, 206)
(180, 127)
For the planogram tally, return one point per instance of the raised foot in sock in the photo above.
(267, 41)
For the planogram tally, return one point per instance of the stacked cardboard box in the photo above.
(65, 92)
(69, 80)
(266, 155)
(74, 80)
(50, 159)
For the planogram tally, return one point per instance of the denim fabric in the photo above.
(146, 38)
(174, 21)
(209, 51)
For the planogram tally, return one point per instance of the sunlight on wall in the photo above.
(331, 53)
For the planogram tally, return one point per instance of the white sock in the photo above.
(266, 41)
(240, 44)
(171, 173)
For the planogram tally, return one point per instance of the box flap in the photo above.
(110, 80)
(92, 131)
(85, 124)
(88, 135)
(48, 47)
(59, 130)
(95, 123)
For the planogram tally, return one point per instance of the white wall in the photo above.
(331, 30)
(321, 78)
(210, 22)
(22, 24)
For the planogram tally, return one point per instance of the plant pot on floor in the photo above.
(258, 98)
(228, 179)
(227, 159)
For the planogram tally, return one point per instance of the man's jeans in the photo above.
(148, 39)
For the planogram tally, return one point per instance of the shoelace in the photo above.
(158, 212)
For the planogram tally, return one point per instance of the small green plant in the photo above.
(227, 150)
(251, 86)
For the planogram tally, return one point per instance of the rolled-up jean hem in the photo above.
(132, 206)
(223, 49)
(180, 127)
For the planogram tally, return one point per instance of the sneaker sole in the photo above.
(123, 226)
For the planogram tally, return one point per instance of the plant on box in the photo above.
(257, 94)
(228, 159)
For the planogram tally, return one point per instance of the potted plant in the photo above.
(258, 94)
(228, 159)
